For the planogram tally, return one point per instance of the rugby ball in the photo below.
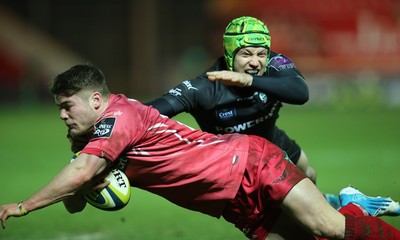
(114, 196)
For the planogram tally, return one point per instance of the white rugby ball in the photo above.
(114, 196)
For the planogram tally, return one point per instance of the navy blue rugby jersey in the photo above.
(219, 108)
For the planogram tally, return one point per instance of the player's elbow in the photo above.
(74, 204)
(300, 97)
(74, 201)
(303, 94)
(74, 210)
(304, 97)
(298, 92)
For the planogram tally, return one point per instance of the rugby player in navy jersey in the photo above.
(244, 91)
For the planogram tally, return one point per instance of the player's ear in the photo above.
(96, 100)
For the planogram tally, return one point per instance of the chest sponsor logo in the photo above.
(226, 114)
(103, 129)
(244, 126)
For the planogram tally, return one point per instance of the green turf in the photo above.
(358, 148)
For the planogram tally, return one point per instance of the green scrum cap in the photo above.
(244, 32)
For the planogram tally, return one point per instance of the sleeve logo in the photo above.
(281, 62)
(103, 129)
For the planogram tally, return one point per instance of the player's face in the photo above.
(77, 112)
(251, 60)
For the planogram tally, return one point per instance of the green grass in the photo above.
(358, 148)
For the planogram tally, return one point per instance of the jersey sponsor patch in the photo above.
(226, 114)
(103, 129)
(281, 62)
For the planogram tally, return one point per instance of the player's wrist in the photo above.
(22, 210)
(248, 80)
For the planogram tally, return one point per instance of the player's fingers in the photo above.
(213, 73)
(3, 218)
(101, 185)
(226, 77)
(218, 74)
(222, 77)
(3, 224)
(211, 76)
(103, 174)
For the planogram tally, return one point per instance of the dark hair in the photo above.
(77, 78)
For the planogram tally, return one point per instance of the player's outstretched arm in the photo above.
(231, 78)
(65, 184)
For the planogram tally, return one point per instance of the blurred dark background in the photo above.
(145, 47)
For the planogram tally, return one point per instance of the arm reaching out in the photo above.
(289, 87)
(65, 184)
(231, 78)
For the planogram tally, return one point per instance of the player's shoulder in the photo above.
(121, 106)
(122, 101)
(278, 62)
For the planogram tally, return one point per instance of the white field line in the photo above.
(91, 236)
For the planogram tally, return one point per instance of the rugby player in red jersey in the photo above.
(245, 179)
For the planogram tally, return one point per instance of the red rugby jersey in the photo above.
(191, 168)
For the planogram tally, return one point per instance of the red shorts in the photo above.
(268, 178)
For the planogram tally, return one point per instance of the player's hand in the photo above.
(97, 185)
(9, 210)
(231, 78)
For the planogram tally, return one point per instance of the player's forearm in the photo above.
(164, 107)
(290, 89)
(67, 182)
(64, 185)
